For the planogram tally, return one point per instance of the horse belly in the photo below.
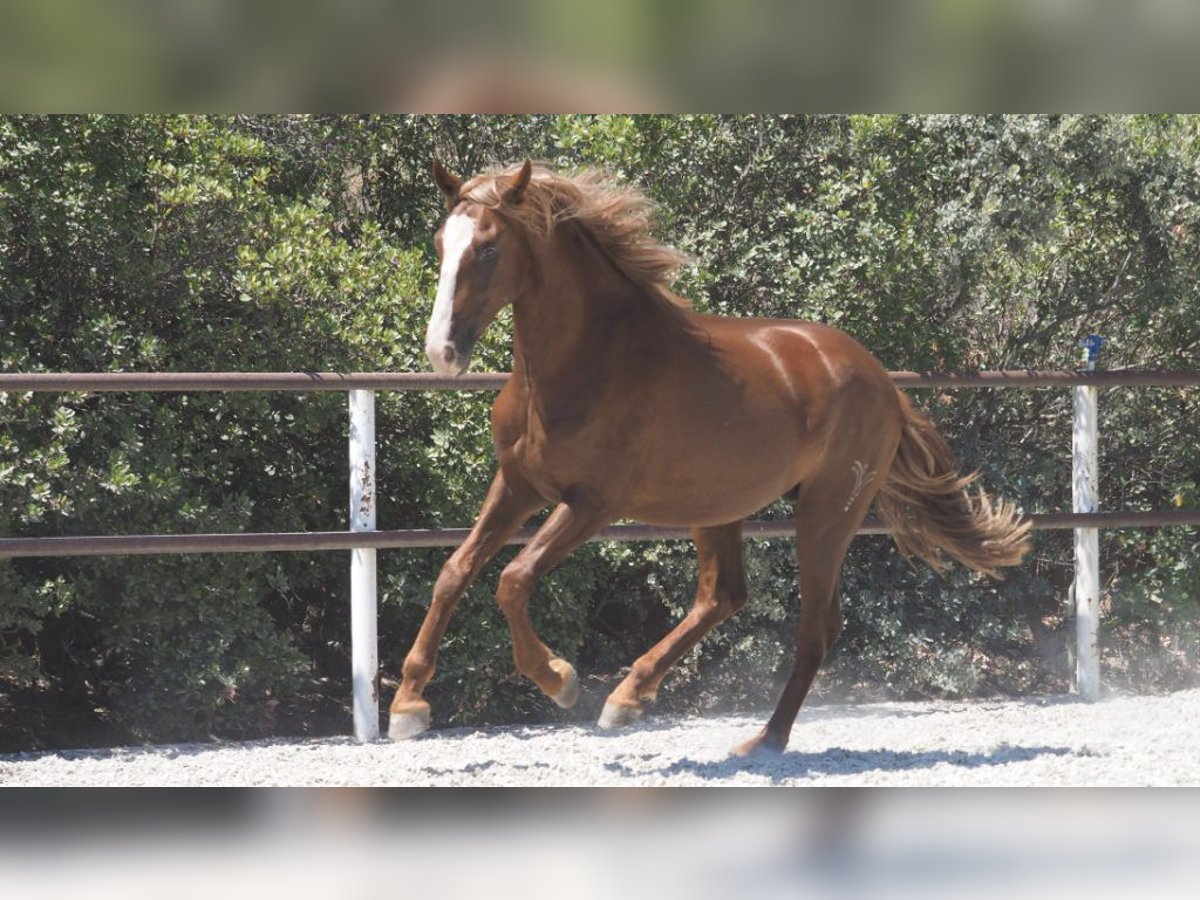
(726, 475)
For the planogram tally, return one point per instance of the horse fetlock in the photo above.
(640, 685)
(568, 692)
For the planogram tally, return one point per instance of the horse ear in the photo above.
(517, 184)
(448, 183)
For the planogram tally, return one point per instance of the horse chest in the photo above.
(564, 456)
(550, 466)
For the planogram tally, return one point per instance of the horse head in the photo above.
(482, 267)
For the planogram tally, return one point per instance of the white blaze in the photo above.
(456, 238)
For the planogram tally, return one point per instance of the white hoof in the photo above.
(569, 693)
(402, 726)
(616, 715)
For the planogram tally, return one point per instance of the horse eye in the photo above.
(487, 252)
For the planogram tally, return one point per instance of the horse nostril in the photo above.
(448, 354)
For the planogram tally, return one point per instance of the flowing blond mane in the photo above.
(618, 218)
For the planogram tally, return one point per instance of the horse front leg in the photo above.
(508, 505)
(567, 528)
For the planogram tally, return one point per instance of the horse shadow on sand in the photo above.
(839, 761)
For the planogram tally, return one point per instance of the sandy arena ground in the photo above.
(1052, 741)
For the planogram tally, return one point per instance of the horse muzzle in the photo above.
(448, 359)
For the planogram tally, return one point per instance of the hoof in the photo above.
(569, 692)
(618, 715)
(762, 746)
(405, 725)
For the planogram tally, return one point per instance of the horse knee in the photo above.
(516, 584)
(455, 575)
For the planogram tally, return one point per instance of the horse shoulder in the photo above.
(509, 412)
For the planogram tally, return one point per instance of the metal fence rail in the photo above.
(492, 381)
(363, 540)
(414, 538)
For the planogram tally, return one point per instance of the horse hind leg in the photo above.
(720, 593)
(828, 512)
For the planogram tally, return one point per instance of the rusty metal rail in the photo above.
(249, 381)
(144, 544)
(491, 381)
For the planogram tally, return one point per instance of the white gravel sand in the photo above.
(1055, 741)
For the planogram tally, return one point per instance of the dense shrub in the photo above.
(291, 243)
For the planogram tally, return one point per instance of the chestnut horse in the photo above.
(624, 404)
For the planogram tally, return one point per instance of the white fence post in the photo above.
(364, 649)
(1085, 499)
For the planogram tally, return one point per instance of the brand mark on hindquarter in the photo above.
(862, 477)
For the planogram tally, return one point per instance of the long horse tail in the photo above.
(925, 502)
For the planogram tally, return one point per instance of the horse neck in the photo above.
(580, 308)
